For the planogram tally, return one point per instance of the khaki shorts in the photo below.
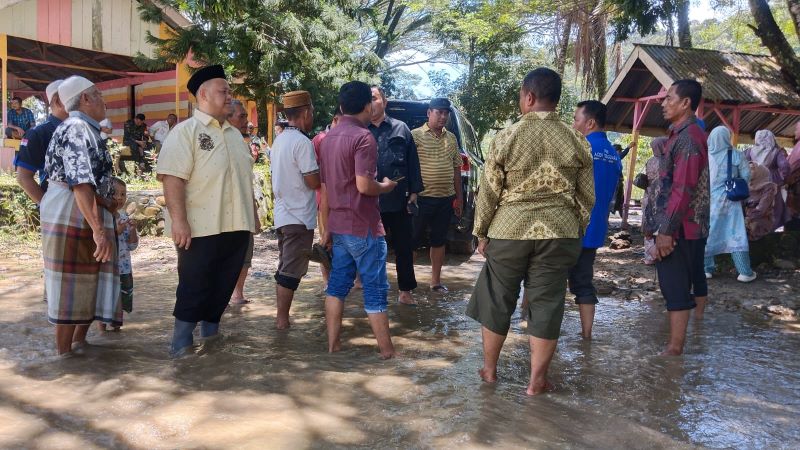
(544, 265)
(294, 245)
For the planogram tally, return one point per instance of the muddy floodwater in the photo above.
(738, 386)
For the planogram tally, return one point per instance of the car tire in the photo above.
(463, 244)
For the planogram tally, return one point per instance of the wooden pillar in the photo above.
(4, 79)
(737, 115)
(629, 180)
(182, 76)
(639, 111)
(270, 122)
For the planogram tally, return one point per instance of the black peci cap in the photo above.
(439, 103)
(203, 75)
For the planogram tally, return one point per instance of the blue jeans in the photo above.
(367, 256)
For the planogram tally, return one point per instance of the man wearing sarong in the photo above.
(78, 240)
(207, 173)
(537, 193)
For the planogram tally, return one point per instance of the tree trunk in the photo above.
(684, 33)
(599, 23)
(471, 67)
(773, 38)
(794, 11)
(563, 45)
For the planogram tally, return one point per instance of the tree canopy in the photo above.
(273, 46)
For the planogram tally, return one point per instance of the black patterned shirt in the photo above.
(76, 155)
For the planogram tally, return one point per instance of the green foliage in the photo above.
(270, 47)
(18, 213)
(400, 84)
(490, 99)
(263, 193)
(493, 98)
(391, 25)
(733, 34)
(640, 17)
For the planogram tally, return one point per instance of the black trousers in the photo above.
(207, 275)
(678, 276)
(400, 226)
(581, 278)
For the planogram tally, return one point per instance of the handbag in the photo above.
(641, 181)
(736, 189)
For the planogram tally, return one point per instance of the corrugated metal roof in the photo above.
(726, 76)
(727, 79)
(34, 64)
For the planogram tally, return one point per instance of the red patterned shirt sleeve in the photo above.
(688, 198)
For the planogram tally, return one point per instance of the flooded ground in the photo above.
(737, 386)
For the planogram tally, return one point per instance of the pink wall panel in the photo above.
(65, 14)
(43, 20)
(54, 21)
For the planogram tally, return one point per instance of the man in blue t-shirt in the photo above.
(590, 119)
(33, 147)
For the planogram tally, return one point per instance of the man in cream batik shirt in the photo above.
(207, 173)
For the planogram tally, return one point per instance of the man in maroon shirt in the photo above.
(317, 141)
(350, 216)
(681, 210)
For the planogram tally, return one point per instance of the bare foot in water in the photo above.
(335, 347)
(388, 355)
(406, 298)
(671, 352)
(282, 324)
(488, 376)
(540, 387)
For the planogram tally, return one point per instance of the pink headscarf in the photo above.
(794, 158)
(765, 149)
(658, 145)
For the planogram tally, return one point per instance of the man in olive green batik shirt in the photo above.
(536, 196)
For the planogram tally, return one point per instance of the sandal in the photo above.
(440, 288)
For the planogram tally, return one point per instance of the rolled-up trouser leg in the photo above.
(208, 329)
(182, 335)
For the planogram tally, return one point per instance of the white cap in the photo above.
(72, 87)
(52, 89)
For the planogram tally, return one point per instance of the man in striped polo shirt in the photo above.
(440, 164)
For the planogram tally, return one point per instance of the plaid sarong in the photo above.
(79, 289)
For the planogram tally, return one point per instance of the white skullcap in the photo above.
(72, 87)
(52, 89)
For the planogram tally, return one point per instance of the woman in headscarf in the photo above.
(793, 180)
(727, 232)
(767, 153)
(759, 206)
(650, 194)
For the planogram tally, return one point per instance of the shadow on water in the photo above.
(258, 387)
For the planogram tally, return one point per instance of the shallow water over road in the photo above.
(738, 385)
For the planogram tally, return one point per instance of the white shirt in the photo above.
(105, 123)
(293, 157)
(160, 130)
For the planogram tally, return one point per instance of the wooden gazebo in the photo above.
(744, 92)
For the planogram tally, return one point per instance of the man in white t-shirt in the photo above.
(106, 128)
(161, 129)
(295, 176)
